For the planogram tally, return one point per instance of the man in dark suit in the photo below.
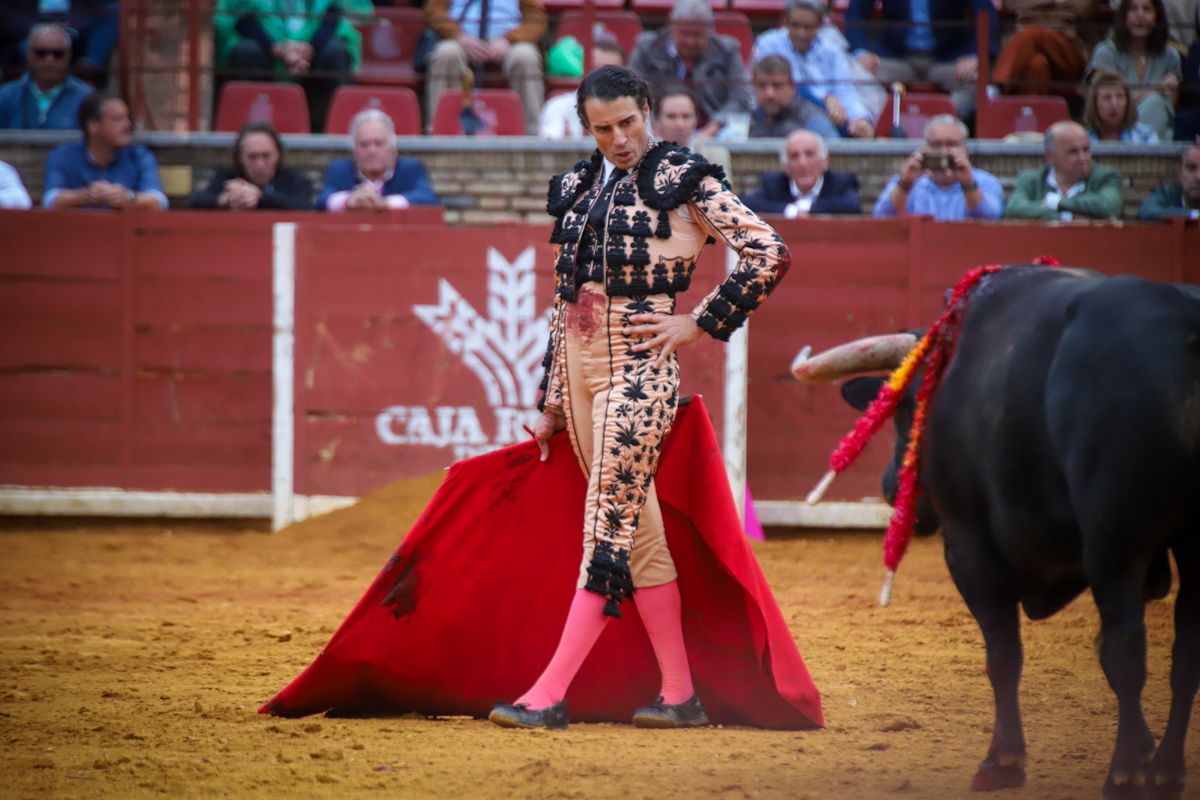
(807, 186)
(258, 179)
(375, 179)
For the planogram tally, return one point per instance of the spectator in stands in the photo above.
(559, 118)
(675, 114)
(257, 179)
(820, 69)
(1138, 50)
(1049, 50)
(689, 50)
(311, 41)
(105, 169)
(47, 96)
(12, 191)
(1108, 112)
(375, 179)
(778, 109)
(938, 179)
(1187, 116)
(508, 35)
(91, 24)
(807, 185)
(1182, 18)
(1069, 185)
(933, 41)
(1180, 199)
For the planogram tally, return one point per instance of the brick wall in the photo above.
(488, 181)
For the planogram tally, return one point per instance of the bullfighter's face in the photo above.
(619, 128)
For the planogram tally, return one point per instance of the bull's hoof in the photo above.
(993, 776)
(1125, 786)
(1164, 787)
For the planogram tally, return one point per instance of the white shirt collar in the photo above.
(1070, 191)
(799, 195)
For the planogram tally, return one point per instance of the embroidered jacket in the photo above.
(661, 216)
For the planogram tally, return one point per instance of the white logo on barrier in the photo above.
(504, 351)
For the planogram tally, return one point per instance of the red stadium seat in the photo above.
(624, 25)
(499, 109)
(388, 47)
(282, 104)
(915, 111)
(399, 103)
(1019, 114)
(758, 8)
(566, 5)
(737, 25)
(664, 6)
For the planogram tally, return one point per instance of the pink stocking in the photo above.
(585, 623)
(660, 609)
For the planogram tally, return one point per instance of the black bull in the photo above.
(1062, 453)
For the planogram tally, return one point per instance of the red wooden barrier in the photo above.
(135, 348)
(425, 346)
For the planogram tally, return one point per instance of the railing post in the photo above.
(193, 65)
(984, 55)
(589, 34)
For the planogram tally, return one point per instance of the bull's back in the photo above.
(1123, 405)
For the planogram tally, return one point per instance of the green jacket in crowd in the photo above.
(277, 16)
(1100, 199)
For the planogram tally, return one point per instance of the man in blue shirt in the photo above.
(105, 170)
(821, 70)
(46, 97)
(938, 180)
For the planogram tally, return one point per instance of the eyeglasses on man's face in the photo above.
(57, 53)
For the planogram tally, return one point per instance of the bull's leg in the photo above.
(984, 585)
(1004, 767)
(1123, 658)
(1167, 773)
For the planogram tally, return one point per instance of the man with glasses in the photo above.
(46, 97)
(938, 179)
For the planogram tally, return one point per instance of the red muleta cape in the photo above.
(469, 609)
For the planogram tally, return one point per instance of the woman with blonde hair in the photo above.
(1108, 113)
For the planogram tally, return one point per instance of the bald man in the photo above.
(1069, 186)
(807, 185)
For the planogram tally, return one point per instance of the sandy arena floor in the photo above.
(133, 658)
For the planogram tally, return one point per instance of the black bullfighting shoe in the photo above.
(520, 715)
(688, 714)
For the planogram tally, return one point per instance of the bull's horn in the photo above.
(871, 354)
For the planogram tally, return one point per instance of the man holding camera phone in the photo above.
(938, 180)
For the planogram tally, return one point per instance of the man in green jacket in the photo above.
(1180, 199)
(1069, 186)
(313, 42)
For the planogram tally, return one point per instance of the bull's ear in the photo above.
(859, 392)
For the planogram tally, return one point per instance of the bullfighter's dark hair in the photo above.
(1156, 42)
(258, 126)
(609, 83)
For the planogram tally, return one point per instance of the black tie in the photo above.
(600, 207)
